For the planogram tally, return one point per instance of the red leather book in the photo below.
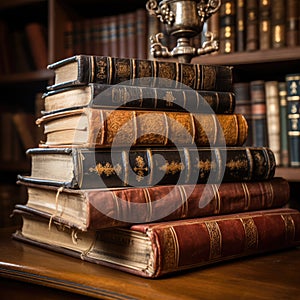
(93, 209)
(156, 249)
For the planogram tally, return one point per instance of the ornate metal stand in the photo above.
(183, 19)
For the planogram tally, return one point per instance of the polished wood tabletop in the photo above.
(35, 273)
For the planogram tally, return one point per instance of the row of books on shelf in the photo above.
(256, 25)
(272, 111)
(175, 199)
(22, 48)
(122, 35)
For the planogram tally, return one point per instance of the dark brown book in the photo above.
(92, 127)
(156, 249)
(93, 209)
(134, 97)
(90, 168)
(36, 34)
(259, 113)
(240, 25)
(278, 21)
(243, 106)
(141, 33)
(84, 69)
(265, 24)
(292, 23)
(252, 26)
(227, 26)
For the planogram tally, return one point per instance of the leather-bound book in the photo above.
(94, 209)
(90, 168)
(227, 26)
(265, 24)
(240, 25)
(292, 23)
(293, 116)
(278, 21)
(84, 69)
(284, 151)
(243, 106)
(152, 250)
(259, 115)
(92, 127)
(273, 117)
(252, 27)
(135, 97)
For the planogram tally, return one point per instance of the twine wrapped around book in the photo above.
(59, 190)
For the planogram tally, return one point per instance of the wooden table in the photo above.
(29, 272)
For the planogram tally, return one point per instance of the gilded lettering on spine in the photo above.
(171, 250)
(215, 237)
(289, 227)
(251, 234)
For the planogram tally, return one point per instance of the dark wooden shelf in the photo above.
(291, 174)
(34, 76)
(286, 54)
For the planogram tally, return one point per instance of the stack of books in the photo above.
(143, 169)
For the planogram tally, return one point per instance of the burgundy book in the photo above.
(156, 249)
(94, 209)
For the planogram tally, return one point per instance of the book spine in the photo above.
(278, 22)
(227, 26)
(243, 106)
(148, 167)
(259, 117)
(273, 117)
(164, 128)
(135, 97)
(284, 152)
(165, 203)
(293, 115)
(265, 24)
(252, 28)
(292, 23)
(240, 25)
(167, 74)
(256, 233)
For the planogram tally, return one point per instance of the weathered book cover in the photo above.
(91, 127)
(135, 97)
(84, 168)
(240, 25)
(252, 27)
(293, 118)
(292, 23)
(278, 22)
(93, 209)
(84, 69)
(265, 34)
(156, 249)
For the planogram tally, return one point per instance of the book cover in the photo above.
(227, 27)
(134, 97)
(284, 149)
(94, 209)
(92, 127)
(259, 115)
(243, 106)
(84, 69)
(273, 117)
(156, 249)
(252, 26)
(293, 117)
(278, 22)
(265, 34)
(90, 168)
(292, 23)
(240, 25)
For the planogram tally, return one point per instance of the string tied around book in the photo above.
(59, 190)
